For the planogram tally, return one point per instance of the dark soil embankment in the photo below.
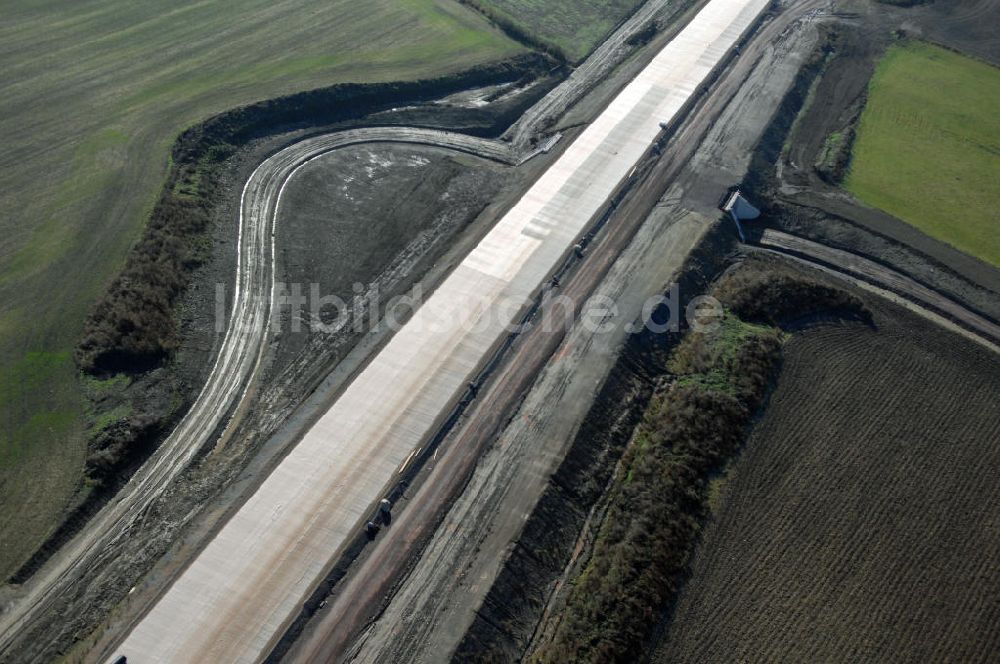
(760, 181)
(818, 144)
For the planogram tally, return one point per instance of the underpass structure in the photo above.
(236, 597)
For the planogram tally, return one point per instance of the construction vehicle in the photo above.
(385, 510)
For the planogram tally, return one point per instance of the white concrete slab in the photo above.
(233, 601)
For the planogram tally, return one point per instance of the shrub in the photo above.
(114, 445)
(653, 516)
(657, 501)
(775, 297)
(132, 326)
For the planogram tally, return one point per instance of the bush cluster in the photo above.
(773, 296)
(132, 326)
(655, 508)
(115, 443)
(835, 156)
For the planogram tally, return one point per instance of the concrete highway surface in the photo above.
(591, 71)
(233, 601)
(237, 360)
(438, 576)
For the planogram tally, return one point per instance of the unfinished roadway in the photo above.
(84, 569)
(396, 608)
(233, 601)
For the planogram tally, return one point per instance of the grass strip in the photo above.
(928, 146)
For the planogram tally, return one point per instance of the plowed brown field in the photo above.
(862, 522)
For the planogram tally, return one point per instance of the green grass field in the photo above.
(928, 146)
(574, 27)
(95, 91)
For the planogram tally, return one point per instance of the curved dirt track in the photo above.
(234, 369)
(881, 275)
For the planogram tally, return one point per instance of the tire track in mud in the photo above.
(881, 275)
